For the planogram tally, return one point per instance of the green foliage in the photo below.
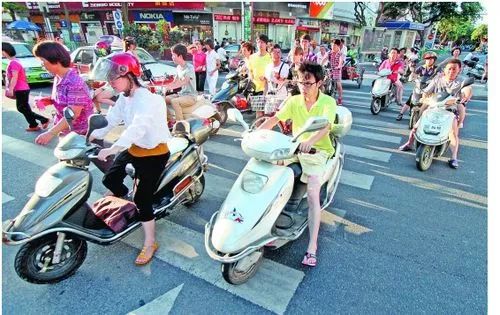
(455, 28)
(154, 41)
(480, 32)
(13, 7)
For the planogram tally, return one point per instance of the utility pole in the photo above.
(68, 23)
(44, 7)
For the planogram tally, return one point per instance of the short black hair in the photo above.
(402, 48)
(264, 38)
(312, 68)
(455, 48)
(9, 49)
(53, 52)
(276, 46)
(455, 61)
(336, 42)
(210, 43)
(180, 50)
(396, 49)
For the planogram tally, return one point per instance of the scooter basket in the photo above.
(269, 104)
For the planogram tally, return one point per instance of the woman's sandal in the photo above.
(400, 116)
(143, 257)
(310, 260)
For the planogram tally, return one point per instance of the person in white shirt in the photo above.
(213, 65)
(185, 79)
(322, 56)
(343, 48)
(143, 143)
(276, 74)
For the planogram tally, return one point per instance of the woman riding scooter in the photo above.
(143, 144)
(427, 70)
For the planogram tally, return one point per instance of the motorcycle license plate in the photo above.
(432, 129)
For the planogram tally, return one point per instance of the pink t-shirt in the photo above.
(22, 82)
(386, 64)
(199, 59)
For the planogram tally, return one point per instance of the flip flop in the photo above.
(310, 260)
(453, 163)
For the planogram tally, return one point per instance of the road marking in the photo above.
(271, 288)
(373, 122)
(368, 153)
(356, 180)
(374, 136)
(6, 198)
(350, 227)
(38, 155)
(161, 305)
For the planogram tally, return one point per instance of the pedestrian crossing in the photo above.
(275, 284)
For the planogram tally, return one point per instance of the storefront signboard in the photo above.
(247, 21)
(193, 19)
(227, 18)
(268, 20)
(141, 16)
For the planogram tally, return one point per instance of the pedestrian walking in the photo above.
(200, 64)
(16, 86)
(213, 65)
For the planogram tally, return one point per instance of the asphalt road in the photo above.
(396, 240)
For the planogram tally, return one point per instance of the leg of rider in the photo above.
(113, 180)
(168, 101)
(399, 91)
(454, 141)
(180, 102)
(461, 113)
(313, 189)
(406, 106)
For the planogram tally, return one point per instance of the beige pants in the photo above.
(181, 105)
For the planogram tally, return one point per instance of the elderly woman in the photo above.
(69, 90)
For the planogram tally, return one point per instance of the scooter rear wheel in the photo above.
(232, 275)
(196, 191)
(34, 260)
(424, 157)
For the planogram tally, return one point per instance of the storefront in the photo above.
(228, 26)
(151, 18)
(194, 25)
(92, 27)
(311, 27)
(279, 30)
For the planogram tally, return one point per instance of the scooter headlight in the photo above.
(280, 154)
(253, 182)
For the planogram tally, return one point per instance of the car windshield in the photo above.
(22, 51)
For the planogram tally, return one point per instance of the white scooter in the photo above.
(435, 128)
(383, 92)
(267, 204)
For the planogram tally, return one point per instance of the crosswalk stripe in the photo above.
(6, 198)
(272, 287)
(356, 179)
(367, 153)
(376, 123)
(161, 305)
(374, 136)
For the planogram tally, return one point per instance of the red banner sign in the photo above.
(227, 18)
(269, 20)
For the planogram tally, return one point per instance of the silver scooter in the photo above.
(57, 221)
(435, 128)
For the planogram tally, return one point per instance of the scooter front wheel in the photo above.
(34, 260)
(375, 106)
(244, 269)
(424, 157)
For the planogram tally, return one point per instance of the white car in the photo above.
(84, 58)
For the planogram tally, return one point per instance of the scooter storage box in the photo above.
(343, 122)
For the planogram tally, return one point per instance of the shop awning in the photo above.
(307, 28)
(403, 25)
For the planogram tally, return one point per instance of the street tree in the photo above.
(359, 12)
(456, 28)
(479, 32)
(429, 13)
(13, 8)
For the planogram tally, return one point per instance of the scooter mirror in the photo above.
(312, 124)
(96, 121)
(69, 115)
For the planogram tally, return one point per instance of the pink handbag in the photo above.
(115, 212)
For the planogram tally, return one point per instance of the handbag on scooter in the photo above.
(115, 212)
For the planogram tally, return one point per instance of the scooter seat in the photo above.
(297, 169)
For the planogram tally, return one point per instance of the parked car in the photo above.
(35, 72)
(232, 50)
(84, 58)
